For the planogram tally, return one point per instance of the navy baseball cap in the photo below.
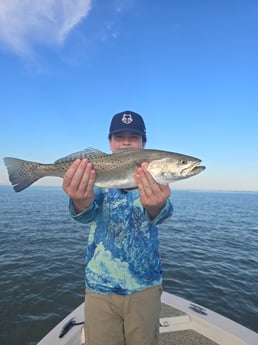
(127, 121)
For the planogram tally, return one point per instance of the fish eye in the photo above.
(183, 162)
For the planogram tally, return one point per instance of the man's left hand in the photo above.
(152, 194)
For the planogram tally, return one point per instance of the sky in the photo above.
(189, 67)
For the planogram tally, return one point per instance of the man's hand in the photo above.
(153, 195)
(78, 184)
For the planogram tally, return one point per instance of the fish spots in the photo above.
(112, 170)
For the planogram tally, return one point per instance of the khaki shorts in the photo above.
(118, 320)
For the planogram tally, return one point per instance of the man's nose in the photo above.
(126, 141)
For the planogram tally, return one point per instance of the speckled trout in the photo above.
(112, 170)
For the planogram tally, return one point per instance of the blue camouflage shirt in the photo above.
(123, 246)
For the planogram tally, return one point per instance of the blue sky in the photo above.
(190, 67)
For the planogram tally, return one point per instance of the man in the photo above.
(123, 271)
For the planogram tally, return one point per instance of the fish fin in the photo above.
(87, 153)
(19, 174)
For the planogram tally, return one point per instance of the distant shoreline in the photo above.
(173, 189)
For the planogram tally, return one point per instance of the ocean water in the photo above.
(209, 251)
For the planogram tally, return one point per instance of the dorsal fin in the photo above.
(86, 153)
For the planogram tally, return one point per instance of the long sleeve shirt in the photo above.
(123, 246)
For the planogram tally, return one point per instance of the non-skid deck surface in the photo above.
(188, 337)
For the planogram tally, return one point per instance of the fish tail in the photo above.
(21, 173)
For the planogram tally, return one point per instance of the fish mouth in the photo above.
(193, 169)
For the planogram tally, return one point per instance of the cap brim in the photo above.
(130, 130)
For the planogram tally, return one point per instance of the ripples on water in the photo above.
(209, 251)
(212, 256)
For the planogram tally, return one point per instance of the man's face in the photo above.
(125, 140)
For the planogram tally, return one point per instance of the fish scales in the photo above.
(112, 170)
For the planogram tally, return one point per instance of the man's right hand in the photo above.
(78, 184)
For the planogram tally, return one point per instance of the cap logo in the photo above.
(127, 118)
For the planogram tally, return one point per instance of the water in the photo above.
(209, 251)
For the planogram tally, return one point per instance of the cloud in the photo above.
(26, 22)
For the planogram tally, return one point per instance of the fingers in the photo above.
(78, 184)
(146, 183)
(68, 177)
(79, 178)
(151, 192)
(152, 195)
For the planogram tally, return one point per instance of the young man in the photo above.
(123, 271)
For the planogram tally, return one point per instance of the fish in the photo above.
(114, 170)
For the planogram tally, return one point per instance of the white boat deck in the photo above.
(182, 323)
(204, 326)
